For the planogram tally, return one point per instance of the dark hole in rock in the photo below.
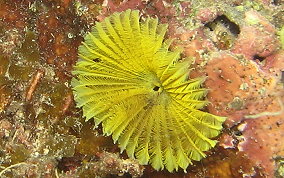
(238, 133)
(259, 58)
(69, 163)
(278, 123)
(156, 88)
(233, 28)
(223, 32)
(277, 2)
(209, 26)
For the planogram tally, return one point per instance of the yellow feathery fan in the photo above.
(128, 80)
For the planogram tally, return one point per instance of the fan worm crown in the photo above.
(129, 81)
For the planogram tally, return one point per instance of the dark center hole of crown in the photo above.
(156, 88)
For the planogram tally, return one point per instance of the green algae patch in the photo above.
(59, 145)
(29, 48)
(20, 72)
(91, 142)
(20, 154)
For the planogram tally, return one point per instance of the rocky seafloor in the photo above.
(238, 44)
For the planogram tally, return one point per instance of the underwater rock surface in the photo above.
(235, 43)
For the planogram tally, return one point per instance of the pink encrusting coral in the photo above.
(263, 137)
(246, 93)
(257, 38)
(252, 94)
(239, 87)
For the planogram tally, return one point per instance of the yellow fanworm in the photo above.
(129, 81)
